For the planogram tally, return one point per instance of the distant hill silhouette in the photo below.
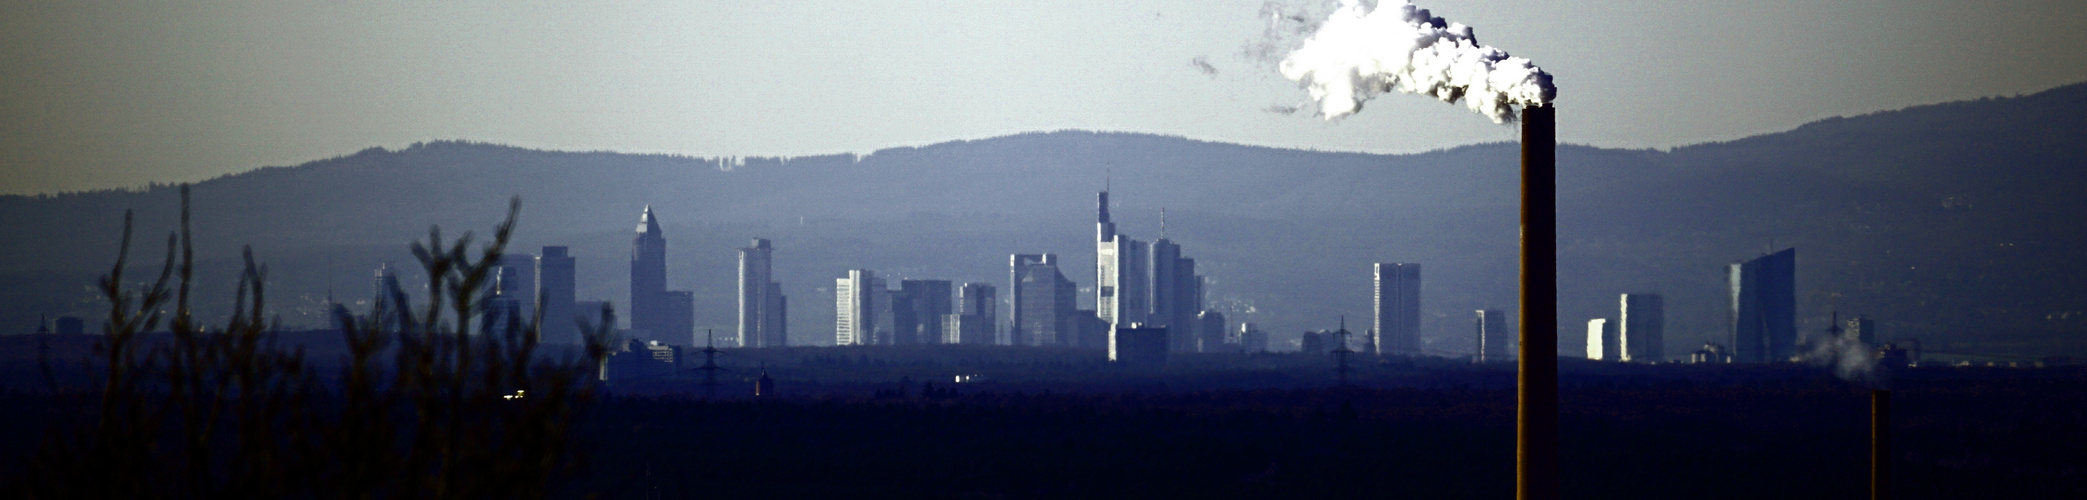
(1951, 222)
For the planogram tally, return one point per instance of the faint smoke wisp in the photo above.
(1850, 359)
(1358, 52)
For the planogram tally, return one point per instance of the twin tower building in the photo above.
(669, 316)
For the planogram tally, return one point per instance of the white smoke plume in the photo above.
(1848, 356)
(1359, 52)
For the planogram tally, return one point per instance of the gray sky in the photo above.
(112, 94)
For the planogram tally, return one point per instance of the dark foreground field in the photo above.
(1960, 433)
(867, 423)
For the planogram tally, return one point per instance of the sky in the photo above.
(97, 95)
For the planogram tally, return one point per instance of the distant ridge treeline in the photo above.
(1950, 222)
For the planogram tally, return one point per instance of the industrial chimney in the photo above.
(1536, 430)
(1880, 444)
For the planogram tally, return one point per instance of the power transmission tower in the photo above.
(710, 367)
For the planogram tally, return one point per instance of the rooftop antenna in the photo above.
(1163, 222)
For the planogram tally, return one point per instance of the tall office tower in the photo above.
(648, 279)
(905, 326)
(1644, 330)
(1252, 339)
(1044, 306)
(1601, 340)
(1496, 337)
(928, 301)
(975, 318)
(678, 308)
(511, 298)
(855, 307)
(556, 285)
(1764, 307)
(1015, 265)
(760, 298)
(1863, 329)
(1210, 331)
(1398, 308)
(381, 290)
(1177, 295)
(778, 323)
(1120, 279)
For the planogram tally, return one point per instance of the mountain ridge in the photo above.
(1847, 191)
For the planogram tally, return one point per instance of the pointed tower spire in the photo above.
(647, 223)
(1163, 222)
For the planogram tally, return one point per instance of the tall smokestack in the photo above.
(1880, 444)
(1536, 429)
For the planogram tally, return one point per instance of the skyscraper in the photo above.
(648, 279)
(1015, 265)
(1496, 337)
(1252, 339)
(1398, 308)
(1177, 295)
(1643, 330)
(556, 285)
(975, 318)
(511, 297)
(1210, 332)
(1120, 275)
(761, 319)
(1764, 307)
(927, 302)
(1602, 344)
(1863, 329)
(856, 298)
(385, 292)
(1045, 304)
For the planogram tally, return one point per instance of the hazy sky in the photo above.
(110, 94)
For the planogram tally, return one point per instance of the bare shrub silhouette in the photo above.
(224, 412)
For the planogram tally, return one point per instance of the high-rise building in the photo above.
(556, 289)
(761, 318)
(1496, 339)
(648, 279)
(1643, 330)
(1764, 307)
(1602, 344)
(927, 301)
(678, 318)
(1045, 304)
(510, 300)
(1210, 332)
(974, 320)
(1252, 339)
(1142, 347)
(856, 298)
(1015, 265)
(1120, 282)
(1397, 308)
(1863, 329)
(385, 292)
(1177, 295)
